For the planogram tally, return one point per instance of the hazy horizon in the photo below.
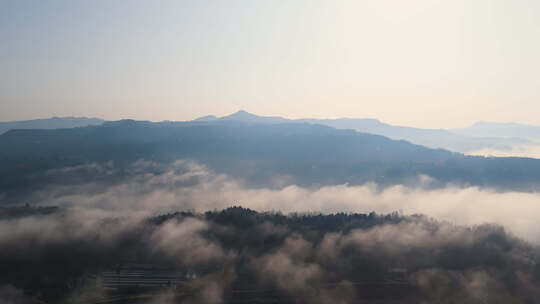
(257, 114)
(430, 64)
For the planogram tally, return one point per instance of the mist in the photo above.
(269, 253)
(153, 188)
(296, 244)
(531, 151)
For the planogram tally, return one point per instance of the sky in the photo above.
(423, 63)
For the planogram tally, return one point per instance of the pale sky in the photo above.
(423, 63)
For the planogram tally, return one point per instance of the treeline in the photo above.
(294, 256)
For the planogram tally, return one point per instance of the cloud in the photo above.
(183, 240)
(63, 248)
(152, 188)
(476, 286)
(459, 257)
(293, 271)
(447, 264)
(304, 258)
(532, 151)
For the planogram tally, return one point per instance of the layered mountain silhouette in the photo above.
(50, 123)
(508, 130)
(503, 137)
(260, 153)
(480, 136)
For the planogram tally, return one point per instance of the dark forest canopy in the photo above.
(294, 258)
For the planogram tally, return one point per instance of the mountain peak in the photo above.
(244, 116)
(206, 118)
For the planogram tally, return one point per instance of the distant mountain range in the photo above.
(480, 136)
(50, 123)
(507, 130)
(257, 150)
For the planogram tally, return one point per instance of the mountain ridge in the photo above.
(498, 138)
(464, 140)
(258, 154)
(50, 123)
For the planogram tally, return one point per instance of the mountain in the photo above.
(433, 138)
(259, 153)
(206, 118)
(508, 130)
(50, 123)
(458, 140)
(245, 117)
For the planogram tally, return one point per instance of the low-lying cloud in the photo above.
(532, 151)
(152, 188)
(310, 259)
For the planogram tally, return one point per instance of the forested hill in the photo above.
(307, 154)
(252, 257)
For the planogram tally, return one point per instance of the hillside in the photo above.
(306, 154)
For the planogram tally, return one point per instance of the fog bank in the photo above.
(153, 188)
